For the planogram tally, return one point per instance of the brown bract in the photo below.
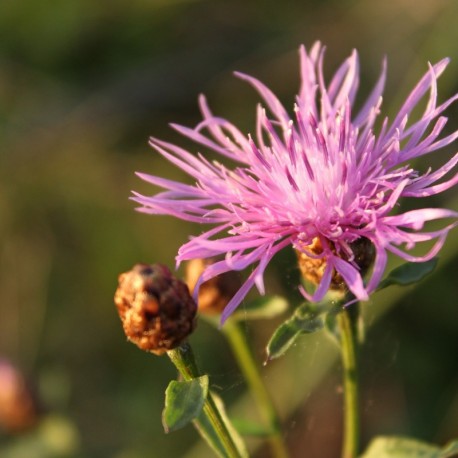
(215, 293)
(312, 269)
(156, 310)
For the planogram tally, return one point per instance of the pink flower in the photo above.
(320, 174)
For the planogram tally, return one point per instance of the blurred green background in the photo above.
(83, 84)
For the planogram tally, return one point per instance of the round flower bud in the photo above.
(18, 406)
(156, 310)
(214, 294)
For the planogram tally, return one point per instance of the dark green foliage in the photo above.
(408, 273)
(183, 402)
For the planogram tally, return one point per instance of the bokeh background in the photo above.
(83, 84)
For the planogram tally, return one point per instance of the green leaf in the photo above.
(305, 320)
(404, 447)
(207, 432)
(408, 273)
(282, 339)
(261, 308)
(184, 401)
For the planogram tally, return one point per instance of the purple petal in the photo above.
(351, 277)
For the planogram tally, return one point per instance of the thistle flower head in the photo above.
(321, 174)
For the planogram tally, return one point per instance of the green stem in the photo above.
(183, 359)
(257, 388)
(347, 323)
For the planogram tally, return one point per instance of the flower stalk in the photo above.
(256, 386)
(347, 324)
(183, 359)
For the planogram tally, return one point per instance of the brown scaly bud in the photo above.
(215, 293)
(156, 309)
(312, 269)
(18, 406)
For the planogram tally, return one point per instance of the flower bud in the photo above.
(156, 310)
(18, 406)
(214, 294)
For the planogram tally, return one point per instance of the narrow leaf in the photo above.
(404, 447)
(184, 401)
(305, 320)
(408, 273)
(282, 339)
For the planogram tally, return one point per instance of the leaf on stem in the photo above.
(404, 447)
(408, 273)
(305, 320)
(184, 401)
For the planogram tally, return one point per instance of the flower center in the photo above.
(312, 262)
